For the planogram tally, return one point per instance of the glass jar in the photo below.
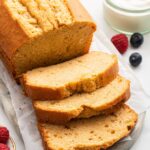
(128, 16)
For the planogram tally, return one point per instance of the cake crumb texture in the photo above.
(83, 74)
(84, 105)
(37, 33)
(95, 133)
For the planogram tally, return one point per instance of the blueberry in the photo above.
(135, 59)
(136, 40)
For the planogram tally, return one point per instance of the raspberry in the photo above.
(120, 41)
(4, 135)
(4, 147)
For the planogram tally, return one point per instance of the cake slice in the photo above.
(36, 33)
(83, 74)
(96, 133)
(84, 105)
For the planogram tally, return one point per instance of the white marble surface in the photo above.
(142, 72)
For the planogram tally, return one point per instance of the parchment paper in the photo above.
(22, 114)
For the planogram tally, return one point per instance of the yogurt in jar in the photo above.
(128, 15)
(132, 4)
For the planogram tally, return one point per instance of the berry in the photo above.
(135, 59)
(120, 41)
(4, 135)
(136, 40)
(4, 147)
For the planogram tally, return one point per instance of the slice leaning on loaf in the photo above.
(83, 74)
(95, 133)
(84, 105)
(36, 33)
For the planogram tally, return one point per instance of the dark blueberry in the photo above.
(136, 40)
(135, 59)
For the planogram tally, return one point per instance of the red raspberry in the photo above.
(4, 147)
(4, 135)
(120, 41)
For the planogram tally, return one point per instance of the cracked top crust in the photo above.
(38, 16)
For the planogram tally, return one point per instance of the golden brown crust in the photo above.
(7, 63)
(60, 117)
(88, 44)
(12, 36)
(45, 93)
(104, 145)
(42, 133)
(79, 12)
(81, 15)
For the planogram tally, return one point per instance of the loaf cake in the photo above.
(39, 33)
(83, 105)
(83, 74)
(96, 133)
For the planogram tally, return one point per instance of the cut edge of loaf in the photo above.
(130, 126)
(61, 117)
(15, 38)
(46, 93)
(76, 9)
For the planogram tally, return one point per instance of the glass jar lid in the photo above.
(134, 6)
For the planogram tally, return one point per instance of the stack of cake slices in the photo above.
(79, 103)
